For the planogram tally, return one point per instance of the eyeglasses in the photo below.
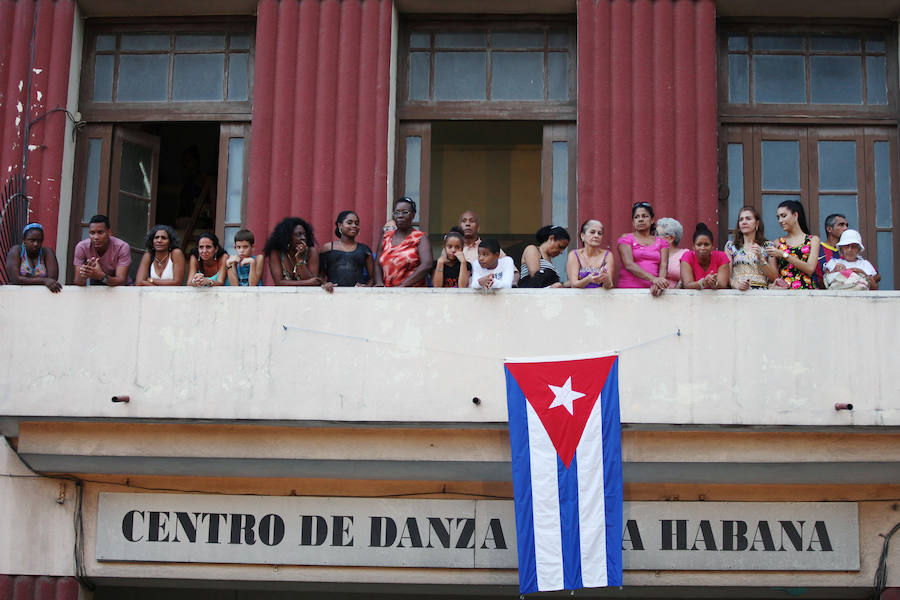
(640, 205)
(402, 212)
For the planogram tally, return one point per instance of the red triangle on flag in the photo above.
(553, 389)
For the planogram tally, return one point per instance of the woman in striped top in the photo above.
(537, 271)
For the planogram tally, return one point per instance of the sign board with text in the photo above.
(375, 532)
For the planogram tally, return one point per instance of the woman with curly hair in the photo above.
(293, 259)
(163, 263)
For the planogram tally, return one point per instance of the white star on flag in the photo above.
(564, 396)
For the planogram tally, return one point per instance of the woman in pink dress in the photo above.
(645, 257)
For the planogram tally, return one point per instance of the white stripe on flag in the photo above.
(545, 498)
(591, 501)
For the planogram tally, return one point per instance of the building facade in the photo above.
(286, 441)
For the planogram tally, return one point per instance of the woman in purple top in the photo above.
(704, 268)
(592, 266)
(645, 257)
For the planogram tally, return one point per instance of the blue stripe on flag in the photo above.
(521, 461)
(568, 517)
(612, 475)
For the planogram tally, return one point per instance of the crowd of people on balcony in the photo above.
(649, 253)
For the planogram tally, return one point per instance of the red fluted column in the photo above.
(647, 120)
(49, 77)
(320, 114)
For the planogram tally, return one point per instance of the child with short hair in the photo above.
(492, 272)
(851, 271)
(242, 267)
(452, 269)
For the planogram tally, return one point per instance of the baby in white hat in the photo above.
(851, 271)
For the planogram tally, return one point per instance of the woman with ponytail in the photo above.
(797, 252)
(703, 268)
(346, 262)
(537, 271)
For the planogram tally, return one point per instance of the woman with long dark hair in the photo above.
(796, 253)
(208, 260)
(163, 263)
(751, 268)
(645, 257)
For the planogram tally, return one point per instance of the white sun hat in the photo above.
(851, 236)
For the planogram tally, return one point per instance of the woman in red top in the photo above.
(703, 268)
(405, 256)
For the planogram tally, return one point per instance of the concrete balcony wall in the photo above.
(420, 356)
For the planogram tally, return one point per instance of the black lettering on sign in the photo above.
(436, 525)
(467, 535)
(795, 537)
(128, 525)
(340, 532)
(495, 534)
(245, 523)
(214, 520)
(379, 539)
(705, 536)
(157, 529)
(187, 525)
(411, 534)
(679, 533)
(271, 530)
(632, 535)
(313, 525)
(763, 535)
(734, 535)
(820, 536)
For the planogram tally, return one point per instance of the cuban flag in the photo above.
(566, 442)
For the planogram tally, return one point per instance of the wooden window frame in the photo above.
(533, 110)
(782, 112)
(170, 110)
(228, 131)
(750, 137)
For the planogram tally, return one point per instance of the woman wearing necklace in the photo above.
(537, 271)
(163, 263)
(29, 263)
(293, 259)
(797, 253)
(645, 257)
(592, 266)
(346, 262)
(405, 257)
(207, 262)
(750, 267)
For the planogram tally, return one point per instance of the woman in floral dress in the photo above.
(797, 252)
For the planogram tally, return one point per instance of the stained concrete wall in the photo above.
(420, 356)
(36, 520)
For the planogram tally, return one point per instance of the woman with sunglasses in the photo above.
(645, 257)
(405, 257)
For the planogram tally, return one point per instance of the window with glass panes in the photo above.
(810, 115)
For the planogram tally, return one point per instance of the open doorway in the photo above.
(188, 165)
(189, 175)
(492, 168)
